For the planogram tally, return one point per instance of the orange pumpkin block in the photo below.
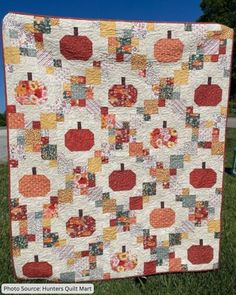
(34, 185)
(162, 217)
(37, 269)
(168, 50)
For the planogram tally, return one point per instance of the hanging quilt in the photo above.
(116, 135)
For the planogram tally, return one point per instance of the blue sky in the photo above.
(157, 10)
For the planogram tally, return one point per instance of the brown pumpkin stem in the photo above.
(76, 31)
(80, 212)
(79, 125)
(203, 165)
(164, 124)
(201, 242)
(169, 34)
(36, 258)
(123, 80)
(122, 166)
(29, 76)
(96, 64)
(123, 249)
(162, 205)
(209, 80)
(34, 171)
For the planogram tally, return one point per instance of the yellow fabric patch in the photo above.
(151, 106)
(29, 27)
(184, 235)
(217, 148)
(93, 76)
(207, 58)
(39, 45)
(50, 70)
(32, 136)
(69, 177)
(181, 77)
(65, 196)
(165, 243)
(61, 243)
(226, 33)
(184, 66)
(70, 261)
(109, 233)
(53, 163)
(150, 27)
(187, 157)
(48, 120)
(54, 21)
(213, 226)
(138, 62)
(107, 29)
(16, 252)
(11, 55)
(94, 164)
(223, 111)
(77, 254)
(66, 86)
(109, 206)
(163, 175)
(46, 222)
(146, 199)
(135, 42)
(185, 191)
(111, 139)
(209, 124)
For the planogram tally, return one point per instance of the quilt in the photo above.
(116, 139)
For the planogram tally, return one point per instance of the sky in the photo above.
(156, 10)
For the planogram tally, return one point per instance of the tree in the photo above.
(3, 119)
(223, 12)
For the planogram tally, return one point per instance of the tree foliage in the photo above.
(3, 119)
(223, 12)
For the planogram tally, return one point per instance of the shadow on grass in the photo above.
(228, 170)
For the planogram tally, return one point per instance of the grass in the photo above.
(232, 108)
(217, 282)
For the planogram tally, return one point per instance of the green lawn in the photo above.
(232, 108)
(216, 282)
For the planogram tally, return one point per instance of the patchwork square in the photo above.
(116, 146)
